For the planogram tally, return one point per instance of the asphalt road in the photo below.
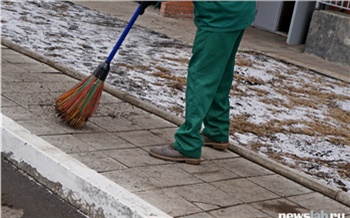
(23, 197)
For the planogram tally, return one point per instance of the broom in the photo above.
(78, 104)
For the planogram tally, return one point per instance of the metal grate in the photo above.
(338, 4)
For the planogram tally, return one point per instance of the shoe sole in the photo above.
(191, 161)
(218, 146)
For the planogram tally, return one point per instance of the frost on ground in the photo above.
(287, 113)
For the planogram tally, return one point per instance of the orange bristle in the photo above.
(78, 104)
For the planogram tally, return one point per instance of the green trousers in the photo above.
(209, 80)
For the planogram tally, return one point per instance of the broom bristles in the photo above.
(79, 103)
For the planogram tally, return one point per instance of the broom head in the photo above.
(79, 103)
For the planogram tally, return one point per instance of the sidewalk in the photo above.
(116, 141)
(114, 151)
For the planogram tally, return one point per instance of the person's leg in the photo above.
(211, 53)
(217, 120)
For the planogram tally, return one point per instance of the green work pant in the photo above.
(209, 80)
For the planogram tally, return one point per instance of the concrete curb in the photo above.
(298, 177)
(81, 186)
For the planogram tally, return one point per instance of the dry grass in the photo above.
(340, 115)
(177, 109)
(301, 102)
(243, 62)
(344, 169)
(157, 84)
(316, 128)
(248, 79)
(235, 91)
(339, 141)
(179, 60)
(134, 67)
(276, 102)
(259, 92)
(162, 69)
(177, 79)
(280, 76)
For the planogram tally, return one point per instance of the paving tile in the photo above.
(48, 112)
(244, 190)
(133, 157)
(98, 161)
(198, 215)
(103, 141)
(143, 138)
(37, 98)
(166, 133)
(280, 185)
(318, 202)
(8, 68)
(150, 122)
(168, 175)
(209, 171)
(111, 124)
(15, 57)
(240, 211)
(42, 127)
(205, 196)
(56, 84)
(108, 98)
(169, 202)
(20, 76)
(68, 143)
(118, 110)
(88, 128)
(132, 180)
(16, 86)
(18, 113)
(36, 67)
(214, 154)
(274, 207)
(243, 167)
(43, 111)
(34, 86)
(5, 102)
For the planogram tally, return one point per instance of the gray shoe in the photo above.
(215, 144)
(168, 152)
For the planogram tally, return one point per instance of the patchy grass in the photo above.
(141, 68)
(243, 62)
(259, 92)
(179, 60)
(275, 102)
(177, 79)
(339, 115)
(177, 109)
(344, 169)
(241, 124)
(163, 69)
(250, 80)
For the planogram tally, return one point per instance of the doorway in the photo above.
(274, 16)
(286, 16)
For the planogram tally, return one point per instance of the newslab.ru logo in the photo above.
(312, 214)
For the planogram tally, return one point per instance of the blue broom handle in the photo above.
(125, 32)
